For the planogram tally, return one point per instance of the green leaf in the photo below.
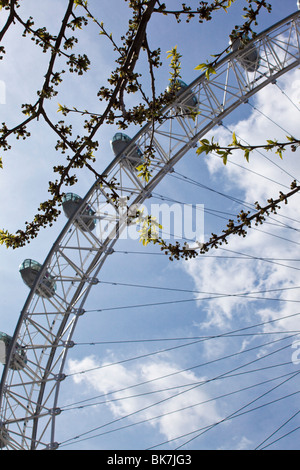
(234, 140)
(272, 142)
(209, 69)
(205, 146)
(200, 67)
(62, 109)
(172, 52)
(80, 3)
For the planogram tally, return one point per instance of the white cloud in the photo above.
(243, 444)
(170, 422)
(272, 239)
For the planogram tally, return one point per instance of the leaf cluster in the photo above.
(244, 222)
(206, 146)
(123, 81)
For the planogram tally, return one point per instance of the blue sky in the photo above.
(224, 389)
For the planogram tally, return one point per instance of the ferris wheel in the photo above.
(35, 357)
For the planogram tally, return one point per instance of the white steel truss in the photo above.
(29, 394)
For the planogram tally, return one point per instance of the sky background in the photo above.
(239, 381)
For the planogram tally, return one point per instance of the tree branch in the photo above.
(177, 251)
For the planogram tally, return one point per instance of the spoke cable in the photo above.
(224, 374)
(147, 420)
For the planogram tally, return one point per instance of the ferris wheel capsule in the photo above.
(250, 58)
(19, 358)
(189, 102)
(71, 203)
(29, 270)
(298, 4)
(4, 436)
(119, 143)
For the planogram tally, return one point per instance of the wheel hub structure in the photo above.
(29, 393)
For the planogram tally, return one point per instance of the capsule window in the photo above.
(19, 358)
(189, 103)
(71, 203)
(249, 58)
(119, 143)
(29, 270)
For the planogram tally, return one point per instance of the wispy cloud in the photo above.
(271, 116)
(162, 400)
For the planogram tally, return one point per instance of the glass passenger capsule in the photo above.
(29, 270)
(189, 101)
(119, 143)
(19, 358)
(71, 203)
(298, 4)
(4, 436)
(249, 59)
